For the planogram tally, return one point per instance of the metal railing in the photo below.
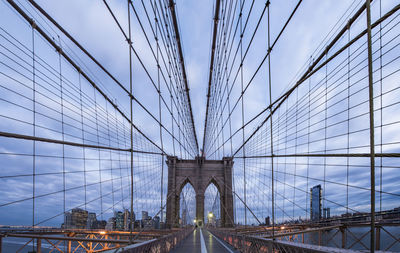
(246, 243)
(160, 245)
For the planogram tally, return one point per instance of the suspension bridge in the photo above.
(100, 126)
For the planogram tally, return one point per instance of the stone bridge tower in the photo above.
(200, 173)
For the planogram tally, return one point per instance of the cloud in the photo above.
(95, 29)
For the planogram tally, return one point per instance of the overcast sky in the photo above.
(91, 24)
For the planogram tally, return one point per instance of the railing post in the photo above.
(343, 232)
(378, 238)
(131, 124)
(319, 237)
(69, 247)
(270, 247)
(39, 245)
(1, 240)
(106, 244)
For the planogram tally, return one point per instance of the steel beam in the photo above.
(76, 144)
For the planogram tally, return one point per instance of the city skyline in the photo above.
(157, 114)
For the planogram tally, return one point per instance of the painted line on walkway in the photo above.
(203, 243)
(222, 243)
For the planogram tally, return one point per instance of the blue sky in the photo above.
(92, 25)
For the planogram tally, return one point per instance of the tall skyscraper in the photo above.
(110, 224)
(79, 218)
(127, 218)
(145, 215)
(67, 220)
(119, 220)
(156, 223)
(91, 221)
(327, 213)
(267, 221)
(315, 202)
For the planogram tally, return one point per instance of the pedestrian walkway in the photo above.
(202, 241)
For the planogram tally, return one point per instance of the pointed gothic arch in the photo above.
(184, 200)
(212, 202)
(200, 173)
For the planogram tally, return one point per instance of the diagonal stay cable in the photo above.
(52, 43)
(311, 71)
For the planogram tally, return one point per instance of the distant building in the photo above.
(79, 218)
(145, 215)
(137, 224)
(315, 199)
(67, 220)
(267, 221)
(156, 222)
(148, 223)
(119, 220)
(126, 219)
(327, 213)
(110, 224)
(91, 221)
(100, 224)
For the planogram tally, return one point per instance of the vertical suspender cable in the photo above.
(110, 159)
(34, 128)
(131, 118)
(62, 125)
(242, 100)
(325, 131)
(371, 125)
(308, 141)
(381, 105)
(348, 123)
(99, 152)
(83, 138)
(271, 131)
(159, 108)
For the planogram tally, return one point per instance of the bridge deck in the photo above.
(202, 241)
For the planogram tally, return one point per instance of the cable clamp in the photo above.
(348, 24)
(33, 23)
(59, 49)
